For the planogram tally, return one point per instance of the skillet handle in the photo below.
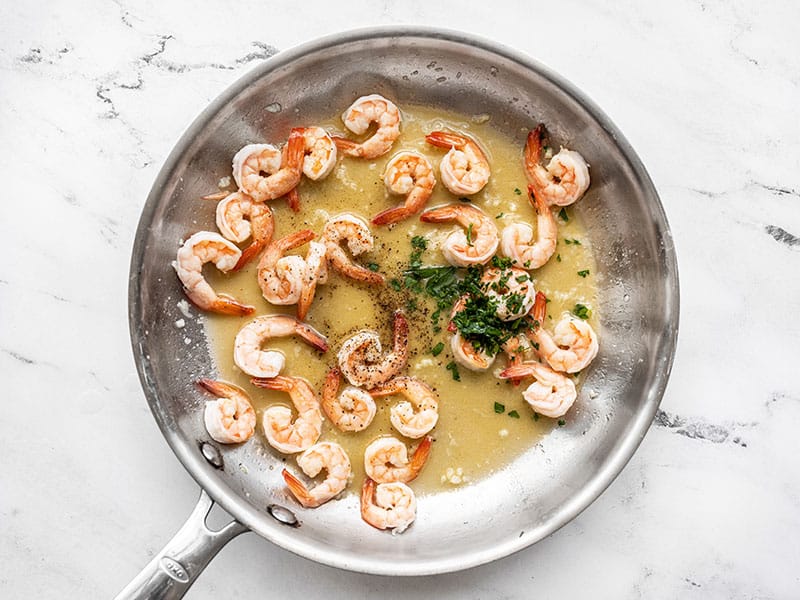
(173, 570)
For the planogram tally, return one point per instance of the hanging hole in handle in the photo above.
(283, 515)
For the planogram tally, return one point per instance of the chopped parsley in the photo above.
(453, 368)
(573, 241)
(469, 235)
(582, 311)
(513, 414)
(373, 266)
(535, 416)
(583, 273)
(561, 422)
(499, 215)
(499, 408)
(522, 278)
(562, 214)
(558, 257)
(518, 191)
(437, 349)
(395, 284)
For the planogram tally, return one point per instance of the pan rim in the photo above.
(255, 520)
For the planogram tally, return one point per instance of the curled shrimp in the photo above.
(410, 174)
(474, 245)
(512, 289)
(324, 455)
(265, 173)
(353, 230)
(200, 248)
(247, 352)
(316, 273)
(239, 217)
(352, 410)
(386, 460)
(230, 418)
(319, 153)
(388, 505)
(517, 241)
(566, 177)
(573, 344)
(282, 433)
(361, 358)
(281, 278)
(464, 352)
(551, 395)
(418, 414)
(358, 118)
(465, 169)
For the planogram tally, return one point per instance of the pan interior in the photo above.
(637, 292)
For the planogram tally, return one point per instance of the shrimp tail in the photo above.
(226, 306)
(220, 389)
(444, 139)
(537, 200)
(400, 330)
(312, 336)
(293, 199)
(420, 456)
(533, 148)
(391, 215)
(249, 254)
(297, 239)
(516, 372)
(367, 494)
(279, 383)
(215, 196)
(436, 215)
(345, 145)
(540, 307)
(299, 490)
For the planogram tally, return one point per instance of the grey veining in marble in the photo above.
(95, 94)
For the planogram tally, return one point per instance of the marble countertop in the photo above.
(95, 95)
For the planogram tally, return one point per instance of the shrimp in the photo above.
(353, 230)
(358, 118)
(247, 352)
(386, 460)
(265, 173)
(512, 289)
(361, 359)
(319, 153)
(388, 505)
(203, 247)
(230, 418)
(551, 395)
(316, 273)
(325, 455)
(282, 433)
(415, 416)
(352, 410)
(517, 241)
(282, 278)
(465, 169)
(411, 174)
(566, 177)
(572, 345)
(477, 245)
(464, 352)
(239, 217)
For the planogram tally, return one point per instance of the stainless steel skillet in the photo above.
(540, 491)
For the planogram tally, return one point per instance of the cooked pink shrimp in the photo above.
(248, 354)
(203, 247)
(265, 173)
(361, 358)
(353, 230)
(551, 395)
(572, 345)
(566, 177)
(476, 244)
(464, 352)
(316, 273)
(358, 118)
(280, 277)
(282, 433)
(230, 418)
(388, 505)
(324, 455)
(239, 217)
(517, 240)
(319, 151)
(465, 169)
(352, 410)
(411, 174)
(512, 289)
(386, 460)
(418, 414)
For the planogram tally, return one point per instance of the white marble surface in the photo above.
(94, 95)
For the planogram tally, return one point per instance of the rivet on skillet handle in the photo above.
(173, 570)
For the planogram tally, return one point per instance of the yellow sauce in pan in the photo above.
(471, 439)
